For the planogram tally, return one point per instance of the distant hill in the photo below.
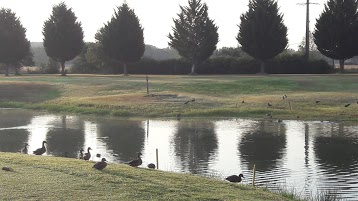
(40, 56)
(160, 54)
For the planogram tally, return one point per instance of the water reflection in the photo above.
(308, 156)
(124, 138)
(336, 149)
(65, 137)
(263, 145)
(195, 142)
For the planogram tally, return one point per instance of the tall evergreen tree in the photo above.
(262, 34)
(63, 35)
(336, 32)
(122, 37)
(14, 47)
(195, 35)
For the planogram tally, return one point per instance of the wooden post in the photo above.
(147, 85)
(289, 103)
(254, 175)
(156, 153)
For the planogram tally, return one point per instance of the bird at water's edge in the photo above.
(100, 165)
(235, 178)
(151, 166)
(80, 156)
(41, 150)
(137, 162)
(87, 155)
(25, 150)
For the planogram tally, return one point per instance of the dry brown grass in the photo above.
(218, 96)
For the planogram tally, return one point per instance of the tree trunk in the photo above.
(6, 70)
(192, 70)
(262, 67)
(341, 65)
(125, 72)
(62, 68)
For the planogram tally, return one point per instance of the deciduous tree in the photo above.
(336, 32)
(194, 35)
(122, 37)
(14, 46)
(63, 35)
(262, 35)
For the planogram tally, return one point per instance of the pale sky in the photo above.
(156, 17)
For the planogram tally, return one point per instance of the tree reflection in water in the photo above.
(125, 138)
(264, 145)
(13, 140)
(66, 136)
(194, 143)
(336, 150)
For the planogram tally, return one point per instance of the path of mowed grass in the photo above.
(56, 178)
(215, 96)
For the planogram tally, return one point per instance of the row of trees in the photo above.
(262, 34)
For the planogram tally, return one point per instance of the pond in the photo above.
(308, 156)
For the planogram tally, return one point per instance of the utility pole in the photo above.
(307, 48)
(307, 52)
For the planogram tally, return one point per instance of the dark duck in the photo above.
(41, 150)
(137, 162)
(87, 155)
(25, 150)
(100, 165)
(235, 178)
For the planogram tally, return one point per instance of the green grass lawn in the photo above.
(215, 96)
(56, 178)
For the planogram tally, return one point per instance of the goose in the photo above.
(87, 155)
(235, 178)
(317, 101)
(41, 150)
(136, 162)
(100, 165)
(25, 150)
(151, 166)
(268, 104)
(80, 156)
(347, 105)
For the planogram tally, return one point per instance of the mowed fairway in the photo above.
(215, 96)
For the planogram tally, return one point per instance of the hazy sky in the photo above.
(156, 17)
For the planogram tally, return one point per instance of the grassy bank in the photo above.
(215, 96)
(55, 178)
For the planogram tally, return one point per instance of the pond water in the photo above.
(308, 156)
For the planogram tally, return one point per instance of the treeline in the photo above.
(120, 46)
(219, 63)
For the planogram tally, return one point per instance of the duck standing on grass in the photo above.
(87, 155)
(235, 178)
(41, 150)
(137, 162)
(80, 156)
(25, 150)
(100, 165)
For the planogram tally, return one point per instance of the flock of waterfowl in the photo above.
(284, 97)
(103, 163)
(87, 156)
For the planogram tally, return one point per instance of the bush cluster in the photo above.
(287, 64)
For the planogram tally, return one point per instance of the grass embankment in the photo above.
(215, 96)
(56, 178)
